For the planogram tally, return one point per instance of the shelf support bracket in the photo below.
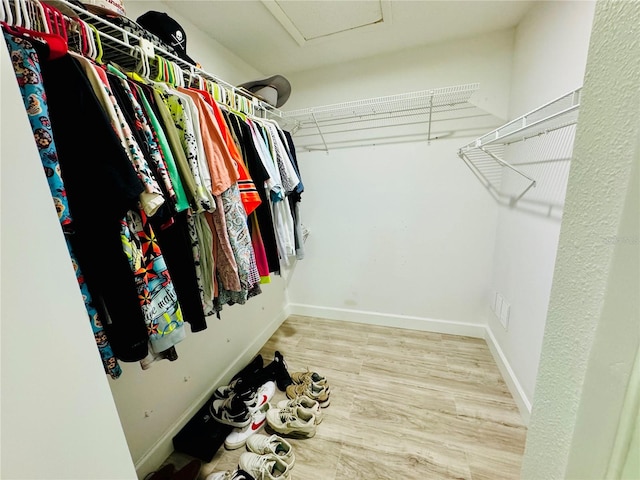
(430, 114)
(326, 148)
(508, 165)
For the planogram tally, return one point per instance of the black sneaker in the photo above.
(231, 411)
(277, 371)
(255, 366)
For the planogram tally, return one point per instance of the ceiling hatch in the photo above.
(316, 19)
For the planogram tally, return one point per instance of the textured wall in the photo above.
(605, 150)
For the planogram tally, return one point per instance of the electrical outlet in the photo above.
(497, 307)
(504, 314)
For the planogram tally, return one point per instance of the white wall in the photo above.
(592, 332)
(58, 417)
(485, 59)
(400, 234)
(549, 60)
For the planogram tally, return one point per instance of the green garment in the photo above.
(182, 203)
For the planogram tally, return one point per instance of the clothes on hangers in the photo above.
(27, 70)
(179, 207)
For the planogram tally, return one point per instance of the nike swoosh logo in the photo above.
(265, 399)
(256, 426)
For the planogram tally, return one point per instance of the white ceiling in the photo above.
(285, 36)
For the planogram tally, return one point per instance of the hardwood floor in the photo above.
(404, 404)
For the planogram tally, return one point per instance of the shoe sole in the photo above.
(291, 433)
(235, 446)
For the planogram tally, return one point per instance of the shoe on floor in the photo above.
(163, 473)
(251, 369)
(226, 391)
(277, 371)
(291, 422)
(238, 437)
(308, 376)
(189, 472)
(272, 444)
(228, 475)
(264, 467)
(231, 411)
(314, 392)
(262, 396)
(304, 402)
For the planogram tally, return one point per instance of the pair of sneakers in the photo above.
(312, 385)
(255, 373)
(293, 420)
(268, 458)
(240, 406)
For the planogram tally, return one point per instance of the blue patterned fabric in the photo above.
(27, 70)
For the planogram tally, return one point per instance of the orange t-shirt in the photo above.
(248, 193)
(222, 166)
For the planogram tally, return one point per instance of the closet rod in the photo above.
(103, 26)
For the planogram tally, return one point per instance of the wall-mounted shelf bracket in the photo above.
(485, 155)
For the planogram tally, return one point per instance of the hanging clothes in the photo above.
(170, 226)
(296, 196)
(171, 207)
(101, 187)
(158, 299)
(152, 198)
(260, 176)
(27, 70)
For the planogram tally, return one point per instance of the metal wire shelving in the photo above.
(125, 48)
(485, 156)
(423, 115)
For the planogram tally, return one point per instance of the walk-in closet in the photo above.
(328, 239)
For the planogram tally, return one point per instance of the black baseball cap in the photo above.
(167, 30)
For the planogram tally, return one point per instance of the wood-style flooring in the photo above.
(404, 405)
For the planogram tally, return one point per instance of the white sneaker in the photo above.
(238, 437)
(264, 393)
(292, 422)
(305, 402)
(278, 446)
(230, 411)
(264, 467)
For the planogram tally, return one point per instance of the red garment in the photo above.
(258, 248)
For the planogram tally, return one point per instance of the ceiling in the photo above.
(285, 36)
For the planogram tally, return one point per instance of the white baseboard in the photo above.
(164, 446)
(517, 392)
(429, 325)
(390, 320)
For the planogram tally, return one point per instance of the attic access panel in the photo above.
(316, 19)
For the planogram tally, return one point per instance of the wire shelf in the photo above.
(374, 120)
(123, 48)
(485, 156)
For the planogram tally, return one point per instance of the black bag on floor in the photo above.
(202, 436)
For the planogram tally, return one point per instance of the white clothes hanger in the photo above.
(3, 15)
